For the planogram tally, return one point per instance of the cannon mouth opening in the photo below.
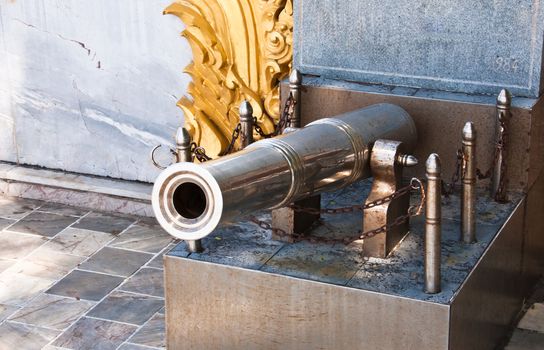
(189, 200)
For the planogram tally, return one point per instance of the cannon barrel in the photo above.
(191, 200)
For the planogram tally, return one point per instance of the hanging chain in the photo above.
(499, 152)
(199, 153)
(416, 210)
(235, 136)
(358, 207)
(459, 173)
(500, 146)
(285, 118)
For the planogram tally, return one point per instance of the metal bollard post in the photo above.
(468, 195)
(433, 225)
(504, 101)
(295, 83)
(183, 146)
(246, 121)
(195, 246)
(183, 154)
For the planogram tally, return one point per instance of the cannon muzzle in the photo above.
(191, 200)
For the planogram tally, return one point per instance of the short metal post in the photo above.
(295, 84)
(504, 101)
(195, 246)
(246, 121)
(183, 154)
(433, 225)
(183, 146)
(468, 195)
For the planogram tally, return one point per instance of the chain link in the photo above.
(358, 207)
(500, 146)
(154, 160)
(199, 153)
(235, 136)
(449, 188)
(286, 116)
(415, 184)
(499, 152)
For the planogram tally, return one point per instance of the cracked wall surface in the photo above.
(89, 86)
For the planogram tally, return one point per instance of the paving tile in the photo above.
(16, 208)
(15, 246)
(151, 334)
(6, 311)
(533, 319)
(85, 285)
(52, 311)
(21, 336)
(46, 264)
(129, 346)
(89, 333)
(127, 307)
(143, 237)
(58, 208)
(44, 224)
(157, 262)
(526, 340)
(146, 281)
(5, 223)
(104, 223)
(79, 242)
(19, 288)
(116, 261)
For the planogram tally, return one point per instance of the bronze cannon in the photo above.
(191, 200)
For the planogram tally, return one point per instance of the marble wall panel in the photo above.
(89, 86)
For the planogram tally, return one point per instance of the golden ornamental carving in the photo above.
(241, 50)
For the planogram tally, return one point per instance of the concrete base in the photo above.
(249, 292)
(92, 192)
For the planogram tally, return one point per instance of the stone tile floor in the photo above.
(75, 279)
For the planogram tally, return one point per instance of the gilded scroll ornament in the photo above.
(241, 50)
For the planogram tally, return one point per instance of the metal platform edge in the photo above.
(213, 306)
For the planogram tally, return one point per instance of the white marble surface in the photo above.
(103, 194)
(89, 86)
(77, 182)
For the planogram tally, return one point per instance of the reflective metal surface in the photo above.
(498, 187)
(433, 225)
(468, 194)
(287, 219)
(491, 297)
(190, 200)
(183, 146)
(246, 121)
(295, 83)
(439, 116)
(386, 162)
(212, 306)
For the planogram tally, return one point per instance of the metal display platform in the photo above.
(247, 291)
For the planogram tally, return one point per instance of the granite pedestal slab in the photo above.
(246, 291)
(463, 46)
